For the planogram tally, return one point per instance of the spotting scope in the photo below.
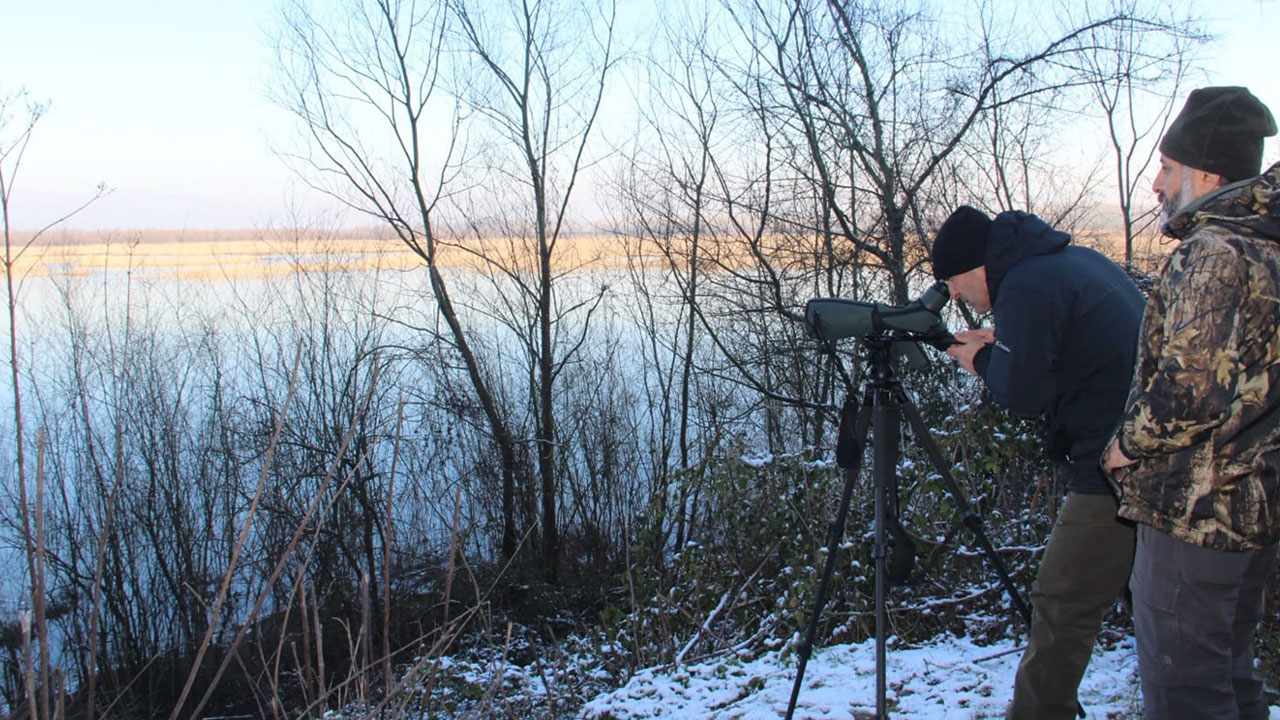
(919, 320)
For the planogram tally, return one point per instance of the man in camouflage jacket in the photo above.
(1197, 457)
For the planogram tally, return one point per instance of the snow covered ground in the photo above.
(952, 678)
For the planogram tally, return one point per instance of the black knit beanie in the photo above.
(961, 243)
(1220, 130)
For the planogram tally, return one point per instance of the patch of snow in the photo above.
(757, 461)
(950, 678)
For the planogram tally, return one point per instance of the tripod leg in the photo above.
(886, 424)
(970, 517)
(854, 422)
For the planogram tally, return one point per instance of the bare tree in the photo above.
(365, 80)
(666, 186)
(872, 120)
(537, 81)
(879, 85)
(388, 91)
(1136, 69)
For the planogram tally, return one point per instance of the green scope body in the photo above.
(839, 318)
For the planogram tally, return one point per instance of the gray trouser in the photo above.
(1085, 569)
(1195, 612)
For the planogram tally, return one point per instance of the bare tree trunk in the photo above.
(544, 104)
(321, 58)
(547, 437)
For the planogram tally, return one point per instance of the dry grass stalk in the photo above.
(290, 547)
(241, 539)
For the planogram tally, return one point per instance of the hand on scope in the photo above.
(968, 343)
(983, 335)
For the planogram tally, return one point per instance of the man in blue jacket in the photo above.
(1062, 349)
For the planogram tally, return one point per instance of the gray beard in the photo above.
(1171, 203)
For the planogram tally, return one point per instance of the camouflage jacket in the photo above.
(1203, 416)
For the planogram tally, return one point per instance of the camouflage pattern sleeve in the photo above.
(1187, 370)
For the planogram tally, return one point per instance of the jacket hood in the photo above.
(1251, 206)
(1014, 237)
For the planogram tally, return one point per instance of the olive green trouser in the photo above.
(1085, 569)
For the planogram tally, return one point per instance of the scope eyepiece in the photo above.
(936, 296)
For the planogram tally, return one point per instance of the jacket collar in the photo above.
(1253, 203)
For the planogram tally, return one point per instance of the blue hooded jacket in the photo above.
(1067, 321)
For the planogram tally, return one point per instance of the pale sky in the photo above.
(163, 100)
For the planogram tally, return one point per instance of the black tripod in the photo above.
(883, 405)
